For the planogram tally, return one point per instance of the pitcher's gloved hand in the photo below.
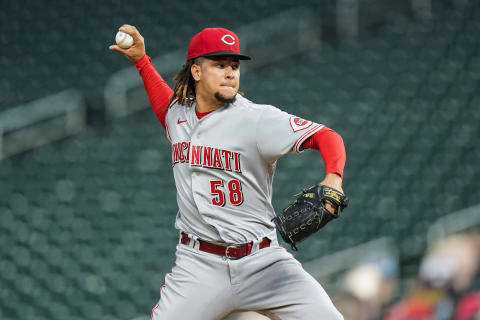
(308, 214)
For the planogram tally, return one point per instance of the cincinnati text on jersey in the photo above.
(205, 156)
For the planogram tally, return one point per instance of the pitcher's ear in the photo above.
(196, 72)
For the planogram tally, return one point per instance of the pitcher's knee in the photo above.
(335, 315)
(329, 313)
(324, 310)
(322, 307)
(322, 314)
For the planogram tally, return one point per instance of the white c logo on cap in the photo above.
(228, 36)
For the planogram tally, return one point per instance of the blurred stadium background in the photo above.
(87, 200)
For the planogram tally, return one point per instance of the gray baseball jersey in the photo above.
(224, 164)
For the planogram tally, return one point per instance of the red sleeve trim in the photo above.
(331, 147)
(158, 91)
(306, 135)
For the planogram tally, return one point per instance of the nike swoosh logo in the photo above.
(181, 121)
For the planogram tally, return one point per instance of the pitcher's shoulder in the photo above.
(175, 105)
(177, 108)
(247, 105)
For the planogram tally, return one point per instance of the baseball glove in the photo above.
(308, 214)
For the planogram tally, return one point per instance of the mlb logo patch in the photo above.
(299, 124)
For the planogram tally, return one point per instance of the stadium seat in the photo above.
(87, 222)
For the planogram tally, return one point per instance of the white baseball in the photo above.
(123, 40)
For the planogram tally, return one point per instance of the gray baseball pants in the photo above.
(205, 286)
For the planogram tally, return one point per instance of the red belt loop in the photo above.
(265, 243)
(231, 252)
(185, 239)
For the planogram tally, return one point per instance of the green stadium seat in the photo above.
(84, 214)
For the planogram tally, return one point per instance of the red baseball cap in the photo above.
(215, 42)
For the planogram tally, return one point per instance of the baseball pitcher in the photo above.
(224, 149)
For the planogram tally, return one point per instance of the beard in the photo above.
(223, 99)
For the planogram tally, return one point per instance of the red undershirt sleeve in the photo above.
(158, 91)
(331, 147)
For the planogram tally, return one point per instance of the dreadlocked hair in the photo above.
(184, 89)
